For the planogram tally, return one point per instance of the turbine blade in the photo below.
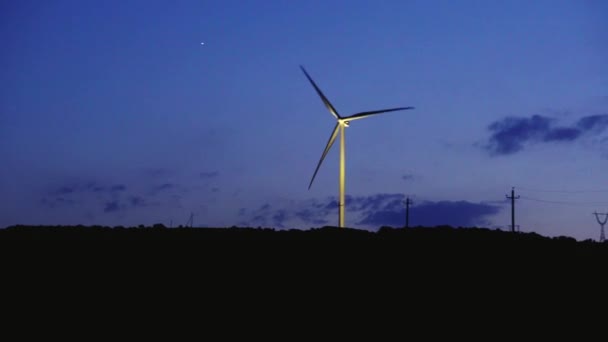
(328, 104)
(374, 112)
(330, 142)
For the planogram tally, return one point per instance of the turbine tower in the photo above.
(342, 123)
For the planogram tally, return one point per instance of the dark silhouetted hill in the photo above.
(442, 264)
(388, 245)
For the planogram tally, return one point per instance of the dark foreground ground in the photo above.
(388, 246)
(342, 266)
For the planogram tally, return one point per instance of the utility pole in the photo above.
(512, 198)
(407, 203)
(602, 224)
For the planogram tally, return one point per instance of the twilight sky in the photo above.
(113, 113)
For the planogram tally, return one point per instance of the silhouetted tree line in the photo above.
(445, 238)
(440, 256)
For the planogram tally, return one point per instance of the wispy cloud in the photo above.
(118, 187)
(87, 187)
(107, 198)
(408, 177)
(208, 175)
(111, 206)
(164, 186)
(158, 172)
(137, 201)
(55, 202)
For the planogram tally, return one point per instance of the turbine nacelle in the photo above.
(343, 122)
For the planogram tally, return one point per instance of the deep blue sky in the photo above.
(112, 112)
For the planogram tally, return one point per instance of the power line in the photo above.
(563, 202)
(561, 191)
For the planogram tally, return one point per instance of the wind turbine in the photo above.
(343, 122)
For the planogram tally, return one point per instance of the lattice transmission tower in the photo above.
(602, 224)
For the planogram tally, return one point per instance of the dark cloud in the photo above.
(137, 201)
(207, 175)
(88, 187)
(78, 187)
(595, 123)
(118, 187)
(429, 214)
(163, 187)
(308, 216)
(375, 211)
(54, 202)
(214, 190)
(111, 206)
(309, 212)
(331, 205)
(108, 198)
(279, 217)
(511, 134)
(259, 219)
(96, 188)
(158, 172)
(374, 202)
(64, 190)
(79, 192)
(562, 134)
(407, 177)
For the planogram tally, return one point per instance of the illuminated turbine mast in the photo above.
(342, 123)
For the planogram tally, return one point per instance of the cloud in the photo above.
(511, 134)
(87, 187)
(562, 134)
(111, 206)
(118, 187)
(78, 187)
(309, 216)
(279, 217)
(165, 186)
(158, 172)
(107, 198)
(407, 177)
(593, 123)
(137, 201)
(54, 202)
(372, 211)
(64, 190)
(207, 175)
(81, 192)
(429, 214)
